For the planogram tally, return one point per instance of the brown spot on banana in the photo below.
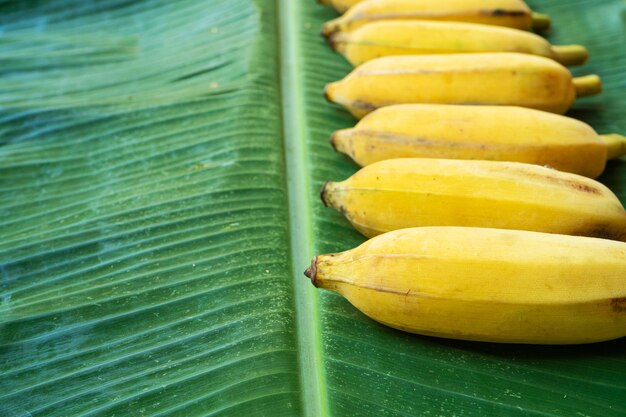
(618, 304)
(603, 233)
(583, 187)
(360, 106)
(363, 105)
(574, 184)
(502, 12)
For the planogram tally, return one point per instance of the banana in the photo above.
(485, 284)
(340, 5)
(482, 78)
(499, 133)
(411, 192)
(511, 13)
(418, 37)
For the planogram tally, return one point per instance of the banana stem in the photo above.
(570, 55)
(588, 85)
(541, 21)
(616, 145)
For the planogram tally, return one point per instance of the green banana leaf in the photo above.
(159, 166)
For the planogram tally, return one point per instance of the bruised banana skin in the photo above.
(421, 37)
(513, 79)
(489, 285)
(499, 133)
(510, 13)
(412, 192)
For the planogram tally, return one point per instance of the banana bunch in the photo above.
(513, 79)
(478, 197)
(484, 284)
(510, 13)
(498, 133)
(422, 37)
(410, 192)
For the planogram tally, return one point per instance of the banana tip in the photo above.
(323, 193)
(311, 271)
(330, 39)
(326, 32)
(327, 88)
(333, 140)
(330, 27)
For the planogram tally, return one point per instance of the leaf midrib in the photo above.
(312, 379)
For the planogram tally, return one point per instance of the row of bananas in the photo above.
(478, 196)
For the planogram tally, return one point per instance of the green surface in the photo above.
(159, 169)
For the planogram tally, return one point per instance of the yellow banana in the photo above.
(482, 78)
(411, 192)
(500, 133)
(511, 13)
(485, 284)
(419, 37)
(340, 5)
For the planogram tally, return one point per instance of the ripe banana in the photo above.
(500, 133)
(511, 13)
(485, 284)
(418, 37)
(482, 78)
(400, 193)
(340, 5)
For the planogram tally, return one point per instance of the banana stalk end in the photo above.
(571, 55)
(616, 145)
(541, 22)
(588, 85)
(332, 41)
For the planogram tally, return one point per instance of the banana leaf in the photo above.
(159, 167)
